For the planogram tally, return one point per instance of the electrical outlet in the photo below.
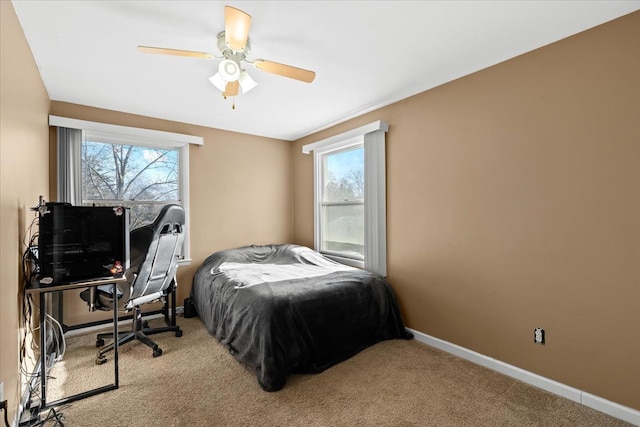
(1, 392)
(538, 335)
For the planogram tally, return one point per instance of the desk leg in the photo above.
(43, 352)
(115, 334)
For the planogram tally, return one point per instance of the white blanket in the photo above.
(255, 274)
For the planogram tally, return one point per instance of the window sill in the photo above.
(343, 260)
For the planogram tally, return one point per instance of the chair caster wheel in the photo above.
(179, 333)
(99, 342)
(101, 360)
(157, 352)
(145, 324)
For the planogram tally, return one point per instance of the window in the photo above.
(142, 178)
(108, 165)
(350, 197)
(341, 210)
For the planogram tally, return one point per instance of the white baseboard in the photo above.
(608, 407)
(95, 328)
(125, 322)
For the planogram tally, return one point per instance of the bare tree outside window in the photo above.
(141, 178)
(349, 187)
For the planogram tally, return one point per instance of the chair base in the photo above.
(139, 333)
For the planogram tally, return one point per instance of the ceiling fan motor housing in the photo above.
(222, 47)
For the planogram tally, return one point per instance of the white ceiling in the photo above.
(366, 54)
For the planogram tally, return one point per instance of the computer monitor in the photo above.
(78, 243)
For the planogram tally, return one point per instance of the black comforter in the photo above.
(283, 309)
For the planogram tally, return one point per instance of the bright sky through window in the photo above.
(342, 163)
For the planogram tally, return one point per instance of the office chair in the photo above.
(154, 253)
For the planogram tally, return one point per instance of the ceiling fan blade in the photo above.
(236, 28)
(285, 70)
(178, 52)
(231, 89)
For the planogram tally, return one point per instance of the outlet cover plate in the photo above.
(538, 335)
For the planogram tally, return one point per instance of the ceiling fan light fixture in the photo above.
(229, 70)
(246, 82)
(218, 81)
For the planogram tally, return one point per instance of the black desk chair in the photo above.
(154, 253)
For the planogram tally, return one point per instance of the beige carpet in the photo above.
(395, 383)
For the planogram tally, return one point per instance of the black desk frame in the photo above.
(42, 291)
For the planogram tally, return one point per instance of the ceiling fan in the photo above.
(234, 46)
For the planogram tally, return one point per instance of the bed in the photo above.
(284, 309)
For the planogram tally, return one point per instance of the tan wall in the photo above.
(24, 163)
(240, 185)
(514, 202)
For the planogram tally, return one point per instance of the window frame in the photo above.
(115, 134)
(373, 138)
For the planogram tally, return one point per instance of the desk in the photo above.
(41, 290)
